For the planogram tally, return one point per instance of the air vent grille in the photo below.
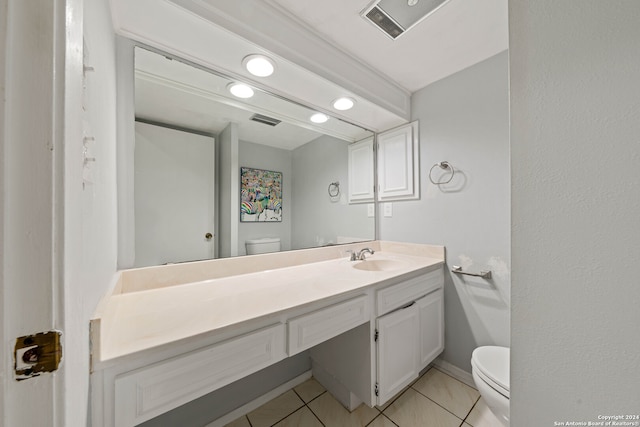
(266, 120)
(384, 22)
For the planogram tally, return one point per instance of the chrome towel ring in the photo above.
(334, 189)
(444, 165)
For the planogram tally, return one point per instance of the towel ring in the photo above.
(334, 189)
(443, 165)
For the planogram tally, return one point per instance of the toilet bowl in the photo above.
(262, 246)
(490, 370)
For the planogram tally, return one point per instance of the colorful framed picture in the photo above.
(261, 195)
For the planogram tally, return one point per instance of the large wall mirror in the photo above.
(212, 171)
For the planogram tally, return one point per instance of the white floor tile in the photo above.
(309, 390)
(332, 413)
(275, 410)
(413, 409)
(451, 394)
(302, 417)
(481, 416)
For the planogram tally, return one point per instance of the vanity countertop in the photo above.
(135, 317)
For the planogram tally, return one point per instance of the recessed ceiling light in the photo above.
(259, 65)
(240, 90)
(319, 118)
(344, 103)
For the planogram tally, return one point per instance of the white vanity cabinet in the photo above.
(369, 332)
(372, 364)
(410, 336)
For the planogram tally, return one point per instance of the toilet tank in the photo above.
(262, 246)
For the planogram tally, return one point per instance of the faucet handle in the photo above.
(353, 256)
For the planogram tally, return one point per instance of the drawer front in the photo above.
(311, 329)
(149, 392)
(395, 296)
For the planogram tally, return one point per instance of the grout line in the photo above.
(471, 410)
(315, 415)
(418, 391)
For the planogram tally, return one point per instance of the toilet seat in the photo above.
(492, 365)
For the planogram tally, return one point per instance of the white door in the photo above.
(431, 309)
(398, 349)
(174, 196)
(31, 149)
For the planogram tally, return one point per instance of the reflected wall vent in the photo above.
(266, 120)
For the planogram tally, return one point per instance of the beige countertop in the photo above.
(137, 317)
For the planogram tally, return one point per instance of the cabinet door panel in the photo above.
(361, 171)
(398, 171)
(397, 351)
(431, 309)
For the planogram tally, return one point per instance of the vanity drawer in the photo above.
(148, 392)
(395, 296)
(321, 325)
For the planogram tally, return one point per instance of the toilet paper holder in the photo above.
(485, 274)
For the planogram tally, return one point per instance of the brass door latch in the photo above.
(35, 354)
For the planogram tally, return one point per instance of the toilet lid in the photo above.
(492, 364)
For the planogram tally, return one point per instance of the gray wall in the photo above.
(464, 119)
(264, 157)
(319, 220)
(226, 167)
(575, 157)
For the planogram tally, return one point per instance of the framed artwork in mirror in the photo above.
(260, 195)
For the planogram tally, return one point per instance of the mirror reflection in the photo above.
(216, 175)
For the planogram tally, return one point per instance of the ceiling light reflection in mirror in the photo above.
(187, 97)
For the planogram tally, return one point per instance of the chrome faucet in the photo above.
(360, 255)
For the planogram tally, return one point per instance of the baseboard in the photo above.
(454, 371)
(256, 403)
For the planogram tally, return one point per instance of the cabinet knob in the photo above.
(208, 236)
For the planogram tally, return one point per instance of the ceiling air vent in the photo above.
(396, 17)
(384, 22)
(266, 120)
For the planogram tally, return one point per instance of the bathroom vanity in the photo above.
(170, 334)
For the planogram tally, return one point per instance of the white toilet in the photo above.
(490, 370)
(262, 246)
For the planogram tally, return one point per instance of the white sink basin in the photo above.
(379, 265)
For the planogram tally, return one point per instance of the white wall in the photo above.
(575, 156)
(90, 236)
(464, 119)
(319, 219)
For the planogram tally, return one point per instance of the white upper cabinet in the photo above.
(398, 163)
(361, 184)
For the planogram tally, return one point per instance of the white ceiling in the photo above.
(457, 35)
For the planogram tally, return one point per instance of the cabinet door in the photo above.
(431, 309)
(361, 171)
(398, 351)
(398, 171)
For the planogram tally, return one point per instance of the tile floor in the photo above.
(434, 400)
